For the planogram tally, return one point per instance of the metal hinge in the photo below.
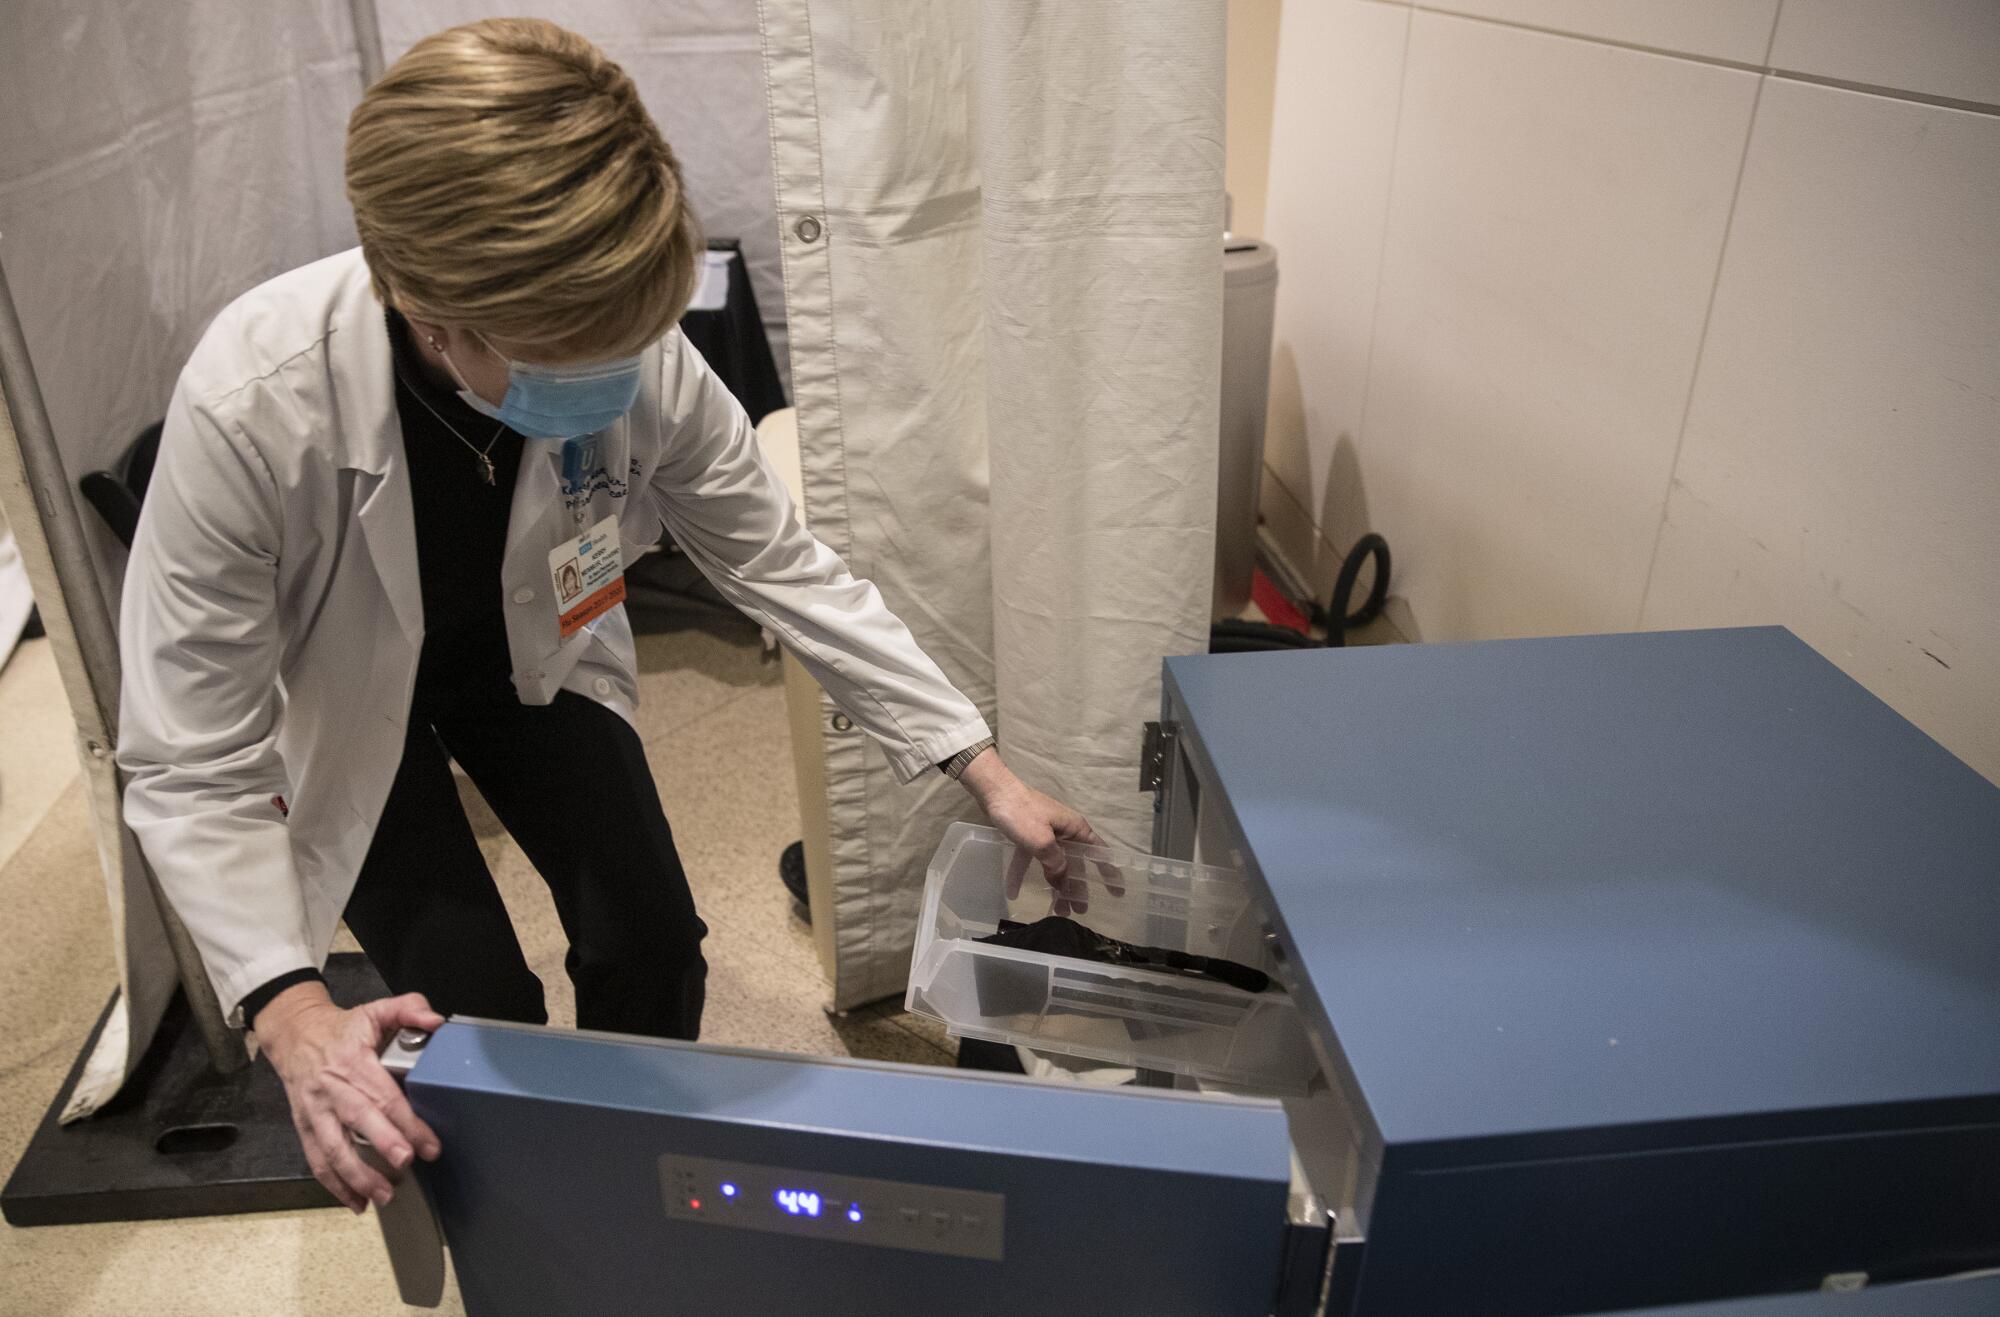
(1154, 754)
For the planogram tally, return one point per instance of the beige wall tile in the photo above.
(1542, 297)
(1944, 48)
(1737, 30)
(1339, 74)
(1841, 468)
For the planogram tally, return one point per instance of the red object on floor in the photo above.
(1273, 604)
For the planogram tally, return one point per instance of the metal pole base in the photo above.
(179, 1140)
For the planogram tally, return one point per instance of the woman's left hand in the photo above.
(1036, 823)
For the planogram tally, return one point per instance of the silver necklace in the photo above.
(483, 454)
(485, 461)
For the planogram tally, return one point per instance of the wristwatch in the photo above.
(954, 767)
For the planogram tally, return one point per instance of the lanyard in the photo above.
(579, 465)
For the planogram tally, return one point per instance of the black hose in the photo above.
(1225, 644)
(1337, 618)
(1237, 637)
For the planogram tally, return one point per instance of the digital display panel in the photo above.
(798, 1202)
(852, 1209)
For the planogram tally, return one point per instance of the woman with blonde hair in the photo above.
(386, 531)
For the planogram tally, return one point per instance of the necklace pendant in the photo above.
(486, 467)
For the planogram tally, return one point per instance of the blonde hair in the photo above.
(505, 177)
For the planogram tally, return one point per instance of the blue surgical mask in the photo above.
(559, 402)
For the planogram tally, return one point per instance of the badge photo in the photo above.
(588, 574)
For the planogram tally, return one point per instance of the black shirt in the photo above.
(461, 526)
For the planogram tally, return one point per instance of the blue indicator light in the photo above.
(798, 1202)
(854, 1212)
(729, 1191)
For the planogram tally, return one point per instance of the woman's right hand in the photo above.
(330, 1059)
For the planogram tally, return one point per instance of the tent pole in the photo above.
(35, 493)
(367, 40)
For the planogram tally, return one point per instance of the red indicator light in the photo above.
(695, 1203)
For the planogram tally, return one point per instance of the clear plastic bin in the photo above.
(1156, 1019)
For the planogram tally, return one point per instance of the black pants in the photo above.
(570, 782)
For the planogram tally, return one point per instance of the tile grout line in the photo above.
(1700, 353)
(1381, 258)
(1987, 108)
(1984, 108)
(1303, 576)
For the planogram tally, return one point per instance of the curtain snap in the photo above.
(808, 228)
(842, 723)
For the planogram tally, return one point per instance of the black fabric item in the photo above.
(258, 998)
(978, 1054)
(792, 873)
(1059, 935)
(117, 494)
(733, 342)
(665, 591)
(570, 781)
(461, 524)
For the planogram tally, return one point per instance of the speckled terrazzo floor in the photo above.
(714, 726)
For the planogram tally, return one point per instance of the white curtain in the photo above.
(1001, 226)
(156, 159)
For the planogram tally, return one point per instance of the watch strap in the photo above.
(955, 767)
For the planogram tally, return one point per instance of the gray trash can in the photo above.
(1249, 299)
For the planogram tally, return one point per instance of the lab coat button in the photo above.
(524, 596)
(602, 685)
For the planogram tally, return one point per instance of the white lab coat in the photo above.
(272, 614)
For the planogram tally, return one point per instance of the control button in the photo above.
(524, 596)
(972, 1223)
(910, 1216)
(412, 1040)
(940, 1223)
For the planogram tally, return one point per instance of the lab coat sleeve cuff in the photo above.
(233, 987)
(923, 757)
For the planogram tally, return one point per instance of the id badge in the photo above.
(588, 575)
